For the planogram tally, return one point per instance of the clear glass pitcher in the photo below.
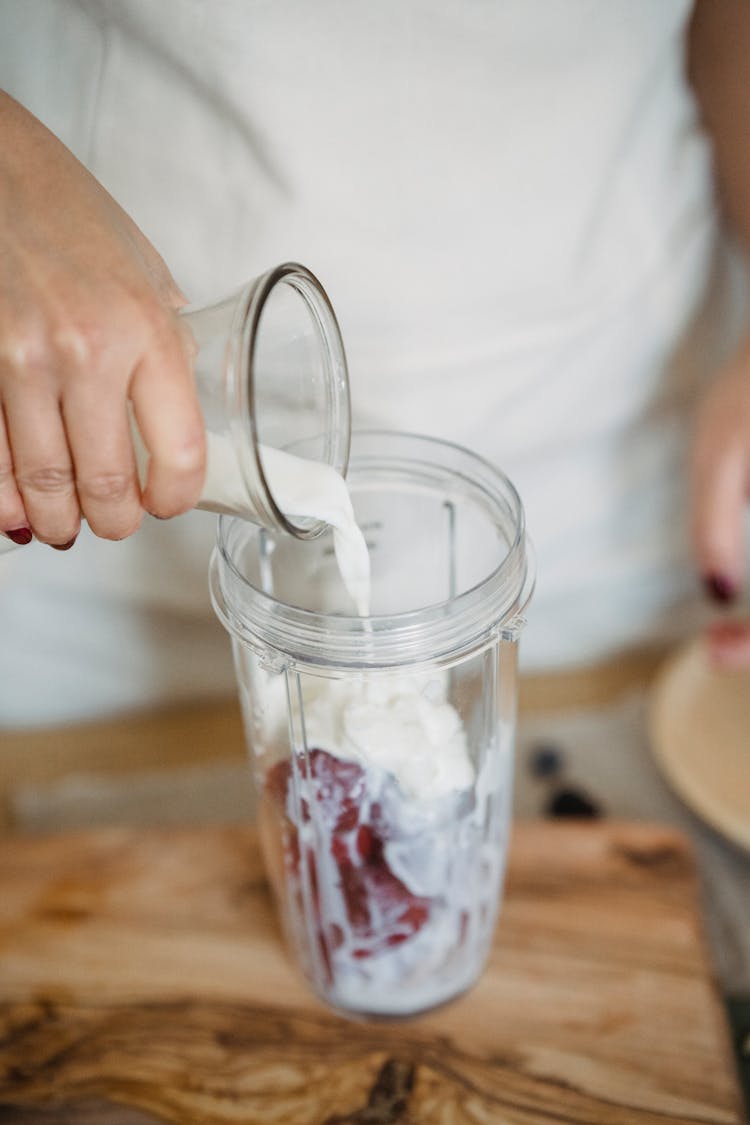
(270, 371)
(382, 746)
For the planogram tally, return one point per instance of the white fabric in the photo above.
(510, 204)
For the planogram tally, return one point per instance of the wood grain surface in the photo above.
(142, 980)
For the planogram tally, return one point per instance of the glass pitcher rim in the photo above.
(241, 379)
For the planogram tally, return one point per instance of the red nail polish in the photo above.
(21, 535)
(64, 546)
(720, 588)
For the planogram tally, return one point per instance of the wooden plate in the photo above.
(699, 725)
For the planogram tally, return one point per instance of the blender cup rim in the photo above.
(477, 614)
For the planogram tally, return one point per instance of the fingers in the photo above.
(162, 392)
(718, 511)
(13, 519)
(96, 422)
(43, 467)
(720, 480)
(66, 448)
(720, 475)
(169, 419)
(729, 644)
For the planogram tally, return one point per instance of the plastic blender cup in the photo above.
(382, 747)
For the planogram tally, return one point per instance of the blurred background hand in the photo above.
(718, 46)
(720, 489)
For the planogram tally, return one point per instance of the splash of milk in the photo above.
(301, 489)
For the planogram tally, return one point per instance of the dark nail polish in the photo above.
(719, 588)
(20, 535)
(64, 546)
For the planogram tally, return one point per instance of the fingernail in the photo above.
(63, 546)
(720, 588)
(21, 535)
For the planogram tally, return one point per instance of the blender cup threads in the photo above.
(382, 746)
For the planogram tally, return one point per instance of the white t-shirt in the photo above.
(510, 205)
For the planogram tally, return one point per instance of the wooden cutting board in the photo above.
(142, 980)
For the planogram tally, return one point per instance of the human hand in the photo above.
(720, 489)
(88, 322)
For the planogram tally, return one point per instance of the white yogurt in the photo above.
(402, 725)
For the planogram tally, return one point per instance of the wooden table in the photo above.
(142, 979)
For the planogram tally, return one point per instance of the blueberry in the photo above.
(545, 760)
(572, 803)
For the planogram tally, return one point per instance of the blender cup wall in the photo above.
(382, 747)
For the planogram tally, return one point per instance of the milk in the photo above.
(301, 489)
(304, 488)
